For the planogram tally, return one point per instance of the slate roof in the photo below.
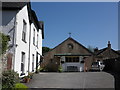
(102, 50)
(75, 42)
(41, 23)
(38, 24)
(18, 5)
(81, 45)
(34, 19)
(118, 51)
(13, 5)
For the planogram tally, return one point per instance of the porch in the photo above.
(72, 62)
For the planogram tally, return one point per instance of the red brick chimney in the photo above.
(109, 45)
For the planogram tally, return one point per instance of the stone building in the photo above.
(69, 54)
(73, 56)
(105, 55)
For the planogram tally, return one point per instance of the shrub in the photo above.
(60, 69)
(41, 69)
(26, 79)
(4, 39)
(30, 74)
(9, 79)
(20, 86)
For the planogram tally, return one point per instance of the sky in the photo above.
(90, 23)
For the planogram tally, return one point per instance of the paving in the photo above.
(72, 80)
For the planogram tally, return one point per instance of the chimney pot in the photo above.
(109, 45)
(96, 49)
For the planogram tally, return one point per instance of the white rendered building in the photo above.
(19, 21)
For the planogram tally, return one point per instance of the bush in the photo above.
(60, 69)
(20, 86)
(9, 79)
(41, 69)
(30, 75)
(4, 39)
(26, 79)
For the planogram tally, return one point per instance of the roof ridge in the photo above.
(73, 40)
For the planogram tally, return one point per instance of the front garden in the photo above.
(11, 80)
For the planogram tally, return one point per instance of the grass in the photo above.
(20, 86)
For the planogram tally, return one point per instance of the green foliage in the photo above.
(44, 69)
(38, 70)
(90, 48)
(45, 49)
(41, 69)
(4, 42)
(60, 69)
(19, 86)
(26, 79)
(30, 75)
(9, 79)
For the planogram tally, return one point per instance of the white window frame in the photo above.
(33, 57)
(24, 31)
(23, 62)
(33, 36)
(37, 39)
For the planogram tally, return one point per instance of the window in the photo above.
(22, 62)
(33, 62)
(37, 40)
(72, 59)
(34, 36)
(24, 31)
(70, 46)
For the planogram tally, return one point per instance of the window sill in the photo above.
(24, 41)
(33, 44)
(37, 46)
(22, 74)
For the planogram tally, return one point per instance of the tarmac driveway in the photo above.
(72, 80)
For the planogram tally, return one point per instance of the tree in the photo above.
(91, 48)
(4, 39)
(45, 49)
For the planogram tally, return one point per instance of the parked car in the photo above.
(101, 65)
(97, 66)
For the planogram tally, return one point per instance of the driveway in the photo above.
(72, 80)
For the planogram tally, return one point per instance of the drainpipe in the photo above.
(14, 41)
(29, 49)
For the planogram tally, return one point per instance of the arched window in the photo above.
(70, 46)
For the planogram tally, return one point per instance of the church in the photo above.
(69, 54)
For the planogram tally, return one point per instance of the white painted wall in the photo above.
(9, 18)
(34, 48)
(79, 65)
(20, 45)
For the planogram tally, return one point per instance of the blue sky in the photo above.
(91, 23)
